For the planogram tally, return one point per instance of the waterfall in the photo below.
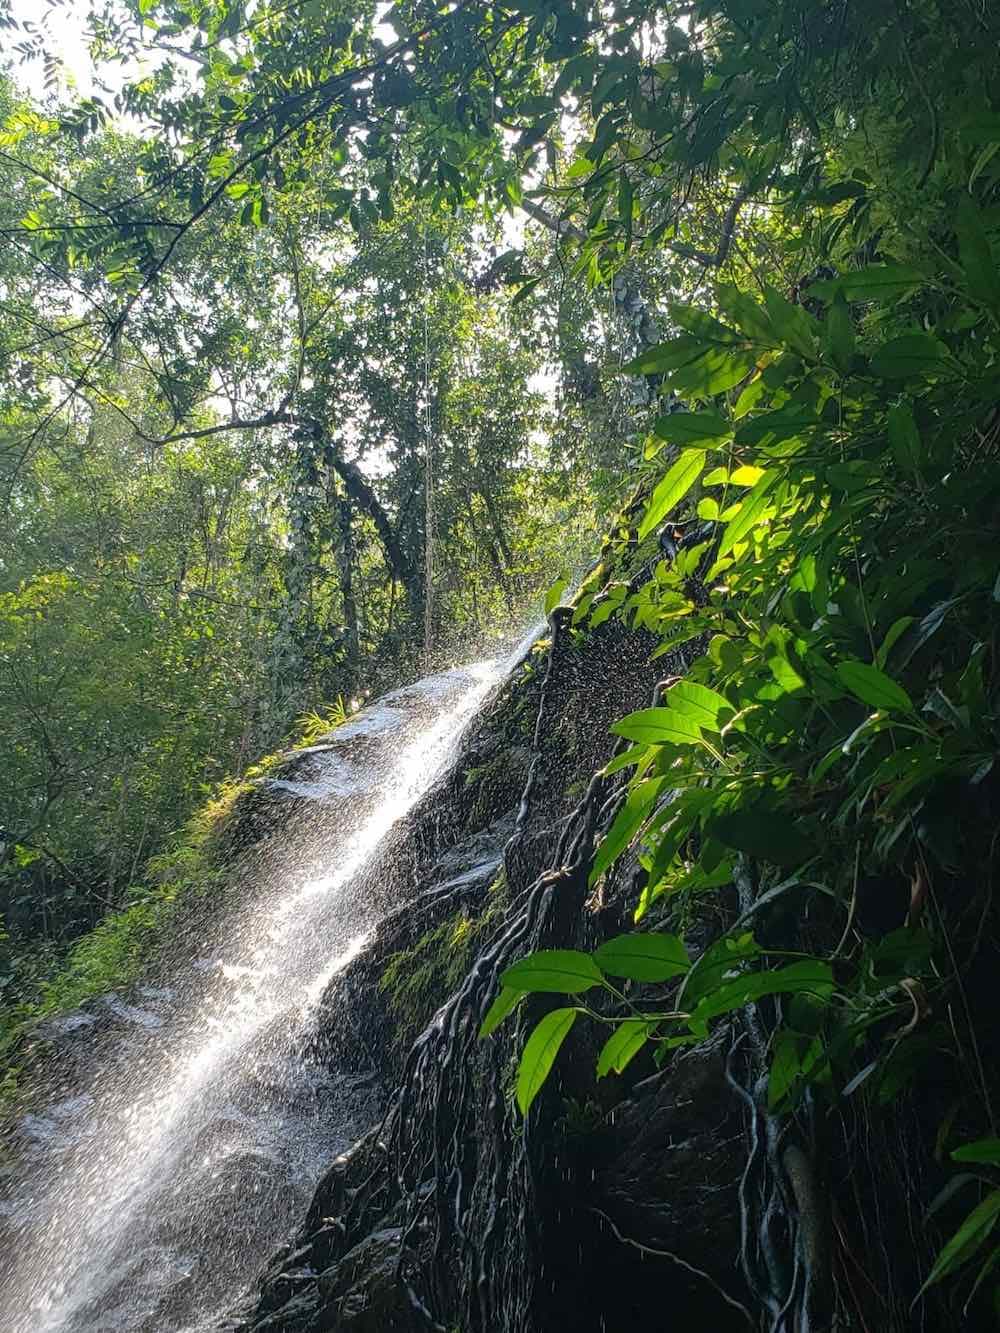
(151, 1199)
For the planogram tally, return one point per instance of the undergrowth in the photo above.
(128, 943)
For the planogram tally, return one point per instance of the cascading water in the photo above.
(150, 1200)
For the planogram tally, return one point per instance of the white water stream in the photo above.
(152, 1199)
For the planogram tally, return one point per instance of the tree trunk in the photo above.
(345, 562)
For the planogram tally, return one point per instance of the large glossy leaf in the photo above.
(765, 834)
(970, 1236)
(690, 428)
(555, 971)
(696, 321)
(627, 823)
(912, 355)
(538, 1056)
(751, 317)
(981, 272)
(622, 1046)
(652, 957)
(874, 687)
(658, 726)
(791, 323)
(983, 1150)
(839, 334)
(672, 489)
(504, 1004)
(904, 438)
(812, 976)
(878, 282)
(706, 707)
(749, 514)
(666, 356)
(717, 370)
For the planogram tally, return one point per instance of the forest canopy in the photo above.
(334, 334)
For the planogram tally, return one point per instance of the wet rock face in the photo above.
(214, 1083)
(361, 1293)
(668, 1178)
(347, 1260)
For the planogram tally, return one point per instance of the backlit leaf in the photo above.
(660, 726)
(706, 707)
(651, 957)
(969, 1237)
(909, 356)
(504, 1003)
(692, 428)
(554, 595)
(874, 687)
(983, 1150)
(539, 1054)
(626, 824)
(672, 489)
(811, 975)
(622, 1046)
(750, 512)
(554, 971)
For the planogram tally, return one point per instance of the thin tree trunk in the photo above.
(345, 561)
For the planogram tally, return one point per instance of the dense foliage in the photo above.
(783, 218)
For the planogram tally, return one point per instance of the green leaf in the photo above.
(633, 755)
(839, 334)
(791, 323)
(554, 595)
(773, 427)
(747, 314)
(623, 1046)
(672, 489)
(786, 1065)
(666, 356)
(811, 975)
(750, 512)
(658, 726)
(972, 1234)
(539, 1054)
(718, 962)
(981, 127)
(525, 290)
(878, 282)
(904, 438)
(983, 1150)
(982, 278)
(652, 957)
(983, 161)
(717, 370)
(874, 687)
(764, 834)
(911, 355)
(554, 971)
(692, 428)
(704, 706)
(504, 1003)
(627, 822)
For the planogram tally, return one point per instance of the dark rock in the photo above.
(362, 1293)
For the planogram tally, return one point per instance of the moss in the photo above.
(128, 942)
(417, 981)
(110, 955)
(495, 786)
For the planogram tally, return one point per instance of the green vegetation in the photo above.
(781, 217)
(419, 979)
